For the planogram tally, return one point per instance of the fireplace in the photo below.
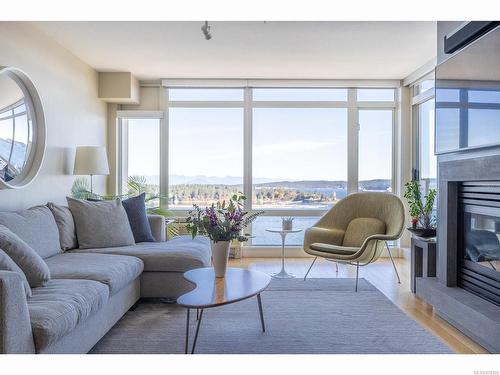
(479, 242)
(466, 290)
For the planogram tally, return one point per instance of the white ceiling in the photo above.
(275, 50)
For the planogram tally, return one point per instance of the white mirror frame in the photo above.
(35, 108)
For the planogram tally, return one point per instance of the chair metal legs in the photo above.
(311, 266)
(357, 273)
(357, 267)
(393, 264)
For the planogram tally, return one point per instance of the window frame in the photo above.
(122, 149)
(419, 98)
(352, 105)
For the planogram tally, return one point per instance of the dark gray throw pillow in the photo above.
(100, 224)
(136, 212)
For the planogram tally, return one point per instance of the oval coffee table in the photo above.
(210, 291)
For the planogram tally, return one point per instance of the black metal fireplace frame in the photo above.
(477, 198)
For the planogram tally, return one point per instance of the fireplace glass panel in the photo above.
(482, 240)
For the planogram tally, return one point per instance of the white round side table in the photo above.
(283, 274)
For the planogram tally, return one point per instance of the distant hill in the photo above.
(377, 184)
(304, 184)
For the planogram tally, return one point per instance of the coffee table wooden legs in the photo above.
(199, 316)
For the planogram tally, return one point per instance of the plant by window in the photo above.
(421, 209)
(221, 221)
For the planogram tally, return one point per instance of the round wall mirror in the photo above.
(22, 129)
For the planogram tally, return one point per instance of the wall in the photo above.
(73, 113)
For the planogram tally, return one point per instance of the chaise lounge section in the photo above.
(89, 289)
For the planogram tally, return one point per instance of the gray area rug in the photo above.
(315, 316)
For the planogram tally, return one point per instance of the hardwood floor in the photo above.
(381, 274)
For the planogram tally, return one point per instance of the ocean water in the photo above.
(263, 238)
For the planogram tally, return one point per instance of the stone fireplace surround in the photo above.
(471, 314)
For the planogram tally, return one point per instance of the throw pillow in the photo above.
(66, 226)
(100, 224)
(135, 208)
(36, 270)
(37, 227)
(360, 229)
(7, 264)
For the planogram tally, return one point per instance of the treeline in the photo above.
(300, 191)
(188, 194)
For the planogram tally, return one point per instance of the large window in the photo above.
(141, 154)
(426, 159)
(291, 151)
(299, 157)
(205, 155)
(375, 150)
(425, 162)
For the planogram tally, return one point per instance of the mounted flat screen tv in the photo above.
(468, 97)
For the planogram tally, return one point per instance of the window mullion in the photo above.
(247, 149)
(352, 142)
(164, 155)
(123, 153)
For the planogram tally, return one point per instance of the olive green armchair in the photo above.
(356, 230)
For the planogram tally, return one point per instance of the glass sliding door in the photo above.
(375, 150)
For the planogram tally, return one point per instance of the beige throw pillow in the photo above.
(360, 229)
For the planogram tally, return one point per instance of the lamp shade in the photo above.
(91, 160)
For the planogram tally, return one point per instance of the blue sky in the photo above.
(291, 143)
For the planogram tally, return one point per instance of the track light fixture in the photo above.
(205, 29)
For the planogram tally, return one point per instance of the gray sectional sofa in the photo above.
(89, 289)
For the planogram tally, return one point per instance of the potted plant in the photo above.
(423, 221)
(221, 222)
(287, 223)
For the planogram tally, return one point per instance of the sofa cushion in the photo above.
(179, 254)
(36, 270)
(101, 224)
(37, 227)
(7, 264)
(116, 271)
(135, 208)
(360, 229)
(65, 225)
(57, 308)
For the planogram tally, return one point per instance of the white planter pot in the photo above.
(220, 255)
